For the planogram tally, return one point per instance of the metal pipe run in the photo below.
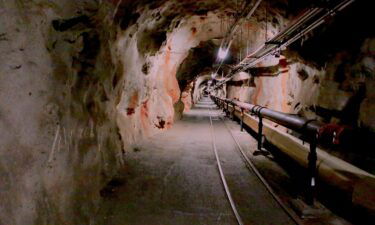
(335, 171)
(290, 121)
(328, 134)
(309, 128)
(283, 44)
(307, 22)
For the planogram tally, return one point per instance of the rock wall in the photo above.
(149, 73)
(339, 92)
(292, 89)
(187, 96)
(58, 135)
(329, 76)
(80, 83)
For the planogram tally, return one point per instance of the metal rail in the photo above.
(252, 168)
(291, 121)
(222, 177)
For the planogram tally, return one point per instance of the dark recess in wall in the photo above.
(150, 41)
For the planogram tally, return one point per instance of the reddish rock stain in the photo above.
(283, 63)
(167, 57)
(130, 111)
(248, 26)
(144, 115)
(144, 109)
(284, 89)
(161, 124)
(193, 30)
(170, 82)
(133, 102)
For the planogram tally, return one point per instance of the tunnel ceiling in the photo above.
(199, 60)
(84, 82)
(167, 16)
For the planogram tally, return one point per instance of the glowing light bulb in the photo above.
(222, 53)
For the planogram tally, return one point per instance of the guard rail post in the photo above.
(312, 159)
(242, 117)
(227, 109)
(233, 110)
(260, 131)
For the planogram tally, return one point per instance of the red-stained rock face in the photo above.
(186, 97)
(133, 103)
(159, 87)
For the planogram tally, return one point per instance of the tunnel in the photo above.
(169, 112)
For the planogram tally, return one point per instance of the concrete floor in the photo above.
(172, 178)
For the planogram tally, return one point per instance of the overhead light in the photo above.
(222, 53)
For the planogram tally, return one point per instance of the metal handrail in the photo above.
(294, 122)
(290, 121)
(311, 129)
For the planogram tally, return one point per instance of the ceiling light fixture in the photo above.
(223, 53)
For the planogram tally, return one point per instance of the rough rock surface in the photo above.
(82, 82)
(334, 84)
(59, 140)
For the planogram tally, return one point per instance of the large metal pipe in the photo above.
(290, 121)
(335, 171)
(310, 129)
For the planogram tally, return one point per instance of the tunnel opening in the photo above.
(109, 111)
(199, 59)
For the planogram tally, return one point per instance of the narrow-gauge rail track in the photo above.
(252, 169)
(180, 182)
(222, 176)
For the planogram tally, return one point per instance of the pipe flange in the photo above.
(258, 111)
